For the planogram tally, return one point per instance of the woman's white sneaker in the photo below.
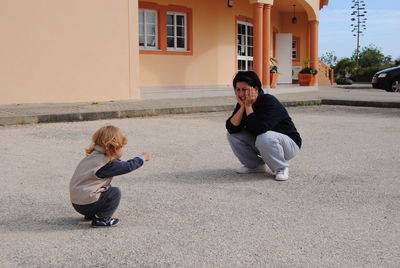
(246, 170)
(282, 175)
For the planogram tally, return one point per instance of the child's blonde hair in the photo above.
(110, 138)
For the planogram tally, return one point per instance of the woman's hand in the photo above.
(251, 96)
(241, 103)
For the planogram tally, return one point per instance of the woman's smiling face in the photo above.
(241, 89)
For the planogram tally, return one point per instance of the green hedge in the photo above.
(365, 74)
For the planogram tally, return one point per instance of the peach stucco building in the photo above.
(100, 50)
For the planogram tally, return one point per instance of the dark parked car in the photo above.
(387, 79)
(344, 81)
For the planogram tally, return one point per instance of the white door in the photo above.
(284, 57)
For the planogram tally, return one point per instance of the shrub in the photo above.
(345, 67)
(308, 70)
(365, 74)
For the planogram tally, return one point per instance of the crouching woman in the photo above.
(260, 130)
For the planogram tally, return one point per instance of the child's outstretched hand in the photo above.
(146, 156)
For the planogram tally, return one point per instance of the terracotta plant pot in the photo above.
(273, 78)
(306, 79)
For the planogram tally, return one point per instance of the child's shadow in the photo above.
(27, 224)
(31, 223)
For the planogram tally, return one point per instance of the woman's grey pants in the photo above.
(271, 148)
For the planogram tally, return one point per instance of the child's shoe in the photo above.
(105, 222)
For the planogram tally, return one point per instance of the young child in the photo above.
(90, 190)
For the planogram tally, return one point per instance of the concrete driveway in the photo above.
(187, 207)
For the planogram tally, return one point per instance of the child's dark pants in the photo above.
(104, 207)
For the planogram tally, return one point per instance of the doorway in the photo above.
(284, 56)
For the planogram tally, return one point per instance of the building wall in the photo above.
(64, 51)
(299, 30)
(214, 51)
(70, 51)
(213, 61)
(312, 8)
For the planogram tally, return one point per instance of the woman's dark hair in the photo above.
(249, 77)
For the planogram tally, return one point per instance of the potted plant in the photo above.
(273, 72)
(307, 74)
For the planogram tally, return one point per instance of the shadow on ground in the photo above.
(213, 176)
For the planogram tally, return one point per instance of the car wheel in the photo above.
(396, 85)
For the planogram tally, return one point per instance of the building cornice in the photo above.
(270, 2)
(323, 3)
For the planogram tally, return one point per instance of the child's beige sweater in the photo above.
(85, 187)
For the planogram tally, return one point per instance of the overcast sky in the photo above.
(383, 28)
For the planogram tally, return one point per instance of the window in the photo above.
(165, 29)
(148, 32)
(244, 46)
(295, 48)
(176, 31)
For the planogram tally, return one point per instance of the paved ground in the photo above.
(187, 208)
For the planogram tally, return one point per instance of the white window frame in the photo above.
(145, 12)
(175, 48)
(245, 45)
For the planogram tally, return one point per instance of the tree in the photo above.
(329, 58)
(345, 67)
(358, 19)
(371, 56)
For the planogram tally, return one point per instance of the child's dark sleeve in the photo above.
(118, 167)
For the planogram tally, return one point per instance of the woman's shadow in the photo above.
(215, 176)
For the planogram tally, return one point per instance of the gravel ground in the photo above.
(188, 208)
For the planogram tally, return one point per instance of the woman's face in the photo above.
(241, 89)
